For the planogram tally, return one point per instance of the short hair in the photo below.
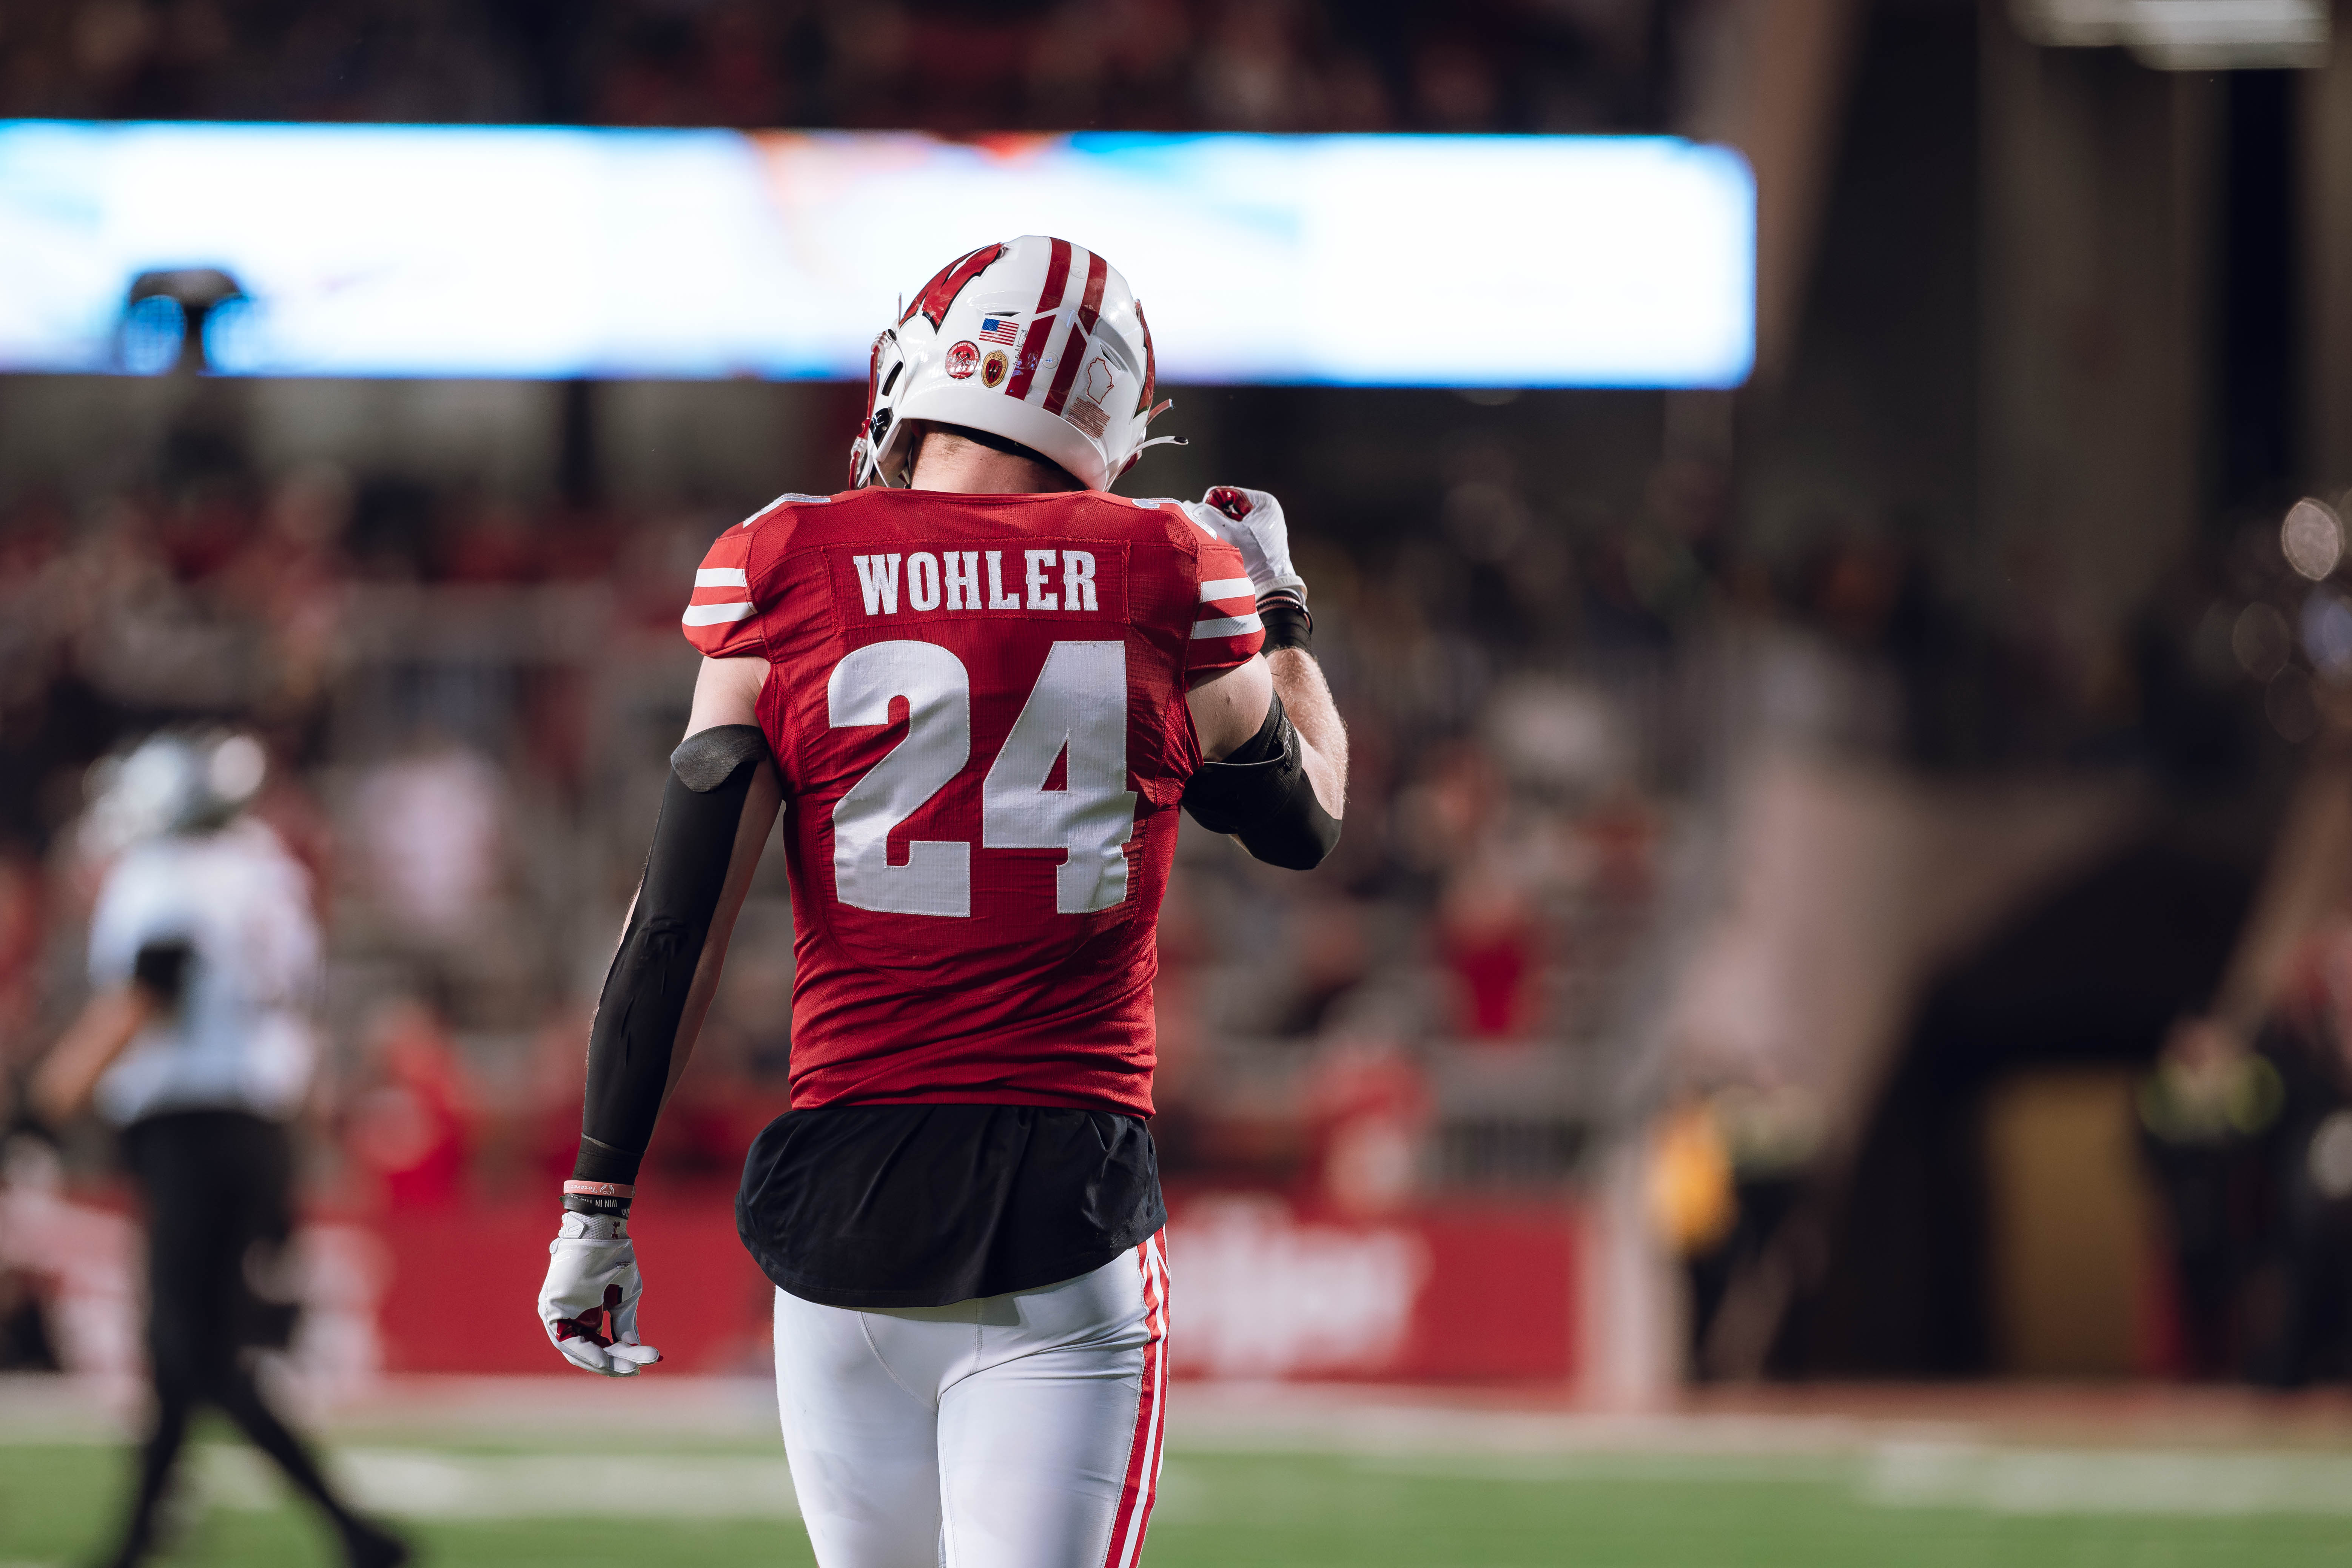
(994, 443)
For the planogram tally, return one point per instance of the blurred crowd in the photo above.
(466, 696)
(943, 65)
(469, 696)
(467, 701)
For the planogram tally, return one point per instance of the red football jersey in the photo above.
(977, 705)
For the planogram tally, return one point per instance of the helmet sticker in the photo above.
(963, 359)
(1088, 415)
(949, 282)
(1086, 409)
(992, 368)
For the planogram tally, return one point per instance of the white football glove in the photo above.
(589, 1303)
(1250, 521)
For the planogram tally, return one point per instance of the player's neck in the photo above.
(968, 469)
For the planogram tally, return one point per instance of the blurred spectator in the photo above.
(711, 1116)
(1367, 1110)
(1248, 77)
(1327, 960)
(550, 1120)
(1727, 1165)
(2309, 1042)
(2203, 1113)
(493, 542)
(432, 827)
(1693, 1204)
(1489, 936)
(293, 577)
(412, 1124)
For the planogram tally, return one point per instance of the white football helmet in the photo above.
(1035, 340)
(173, 781)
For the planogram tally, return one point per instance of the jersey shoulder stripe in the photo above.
(720, 618)
(1226, 630)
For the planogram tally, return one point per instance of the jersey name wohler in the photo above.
(977, 706)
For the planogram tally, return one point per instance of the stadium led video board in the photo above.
(462, 251)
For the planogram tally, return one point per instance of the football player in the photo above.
(981, 686)
(196, 1042)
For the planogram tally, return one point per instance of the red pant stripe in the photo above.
(1142, 1467)
(1160, 1422)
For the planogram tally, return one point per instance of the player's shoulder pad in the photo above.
(1188, 510)
(730, 551)
(780, 509)
(719, 619)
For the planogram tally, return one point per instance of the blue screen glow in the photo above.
(415, 251)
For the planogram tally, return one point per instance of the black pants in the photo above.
(219, 1186)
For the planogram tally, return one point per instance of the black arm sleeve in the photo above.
(645, 992)
(1261, 796)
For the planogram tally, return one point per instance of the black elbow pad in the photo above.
(644, 1000)
(1261, 796)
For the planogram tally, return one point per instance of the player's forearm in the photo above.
(721, 801)
(760, 807)
(1306, 696)
(108, 1023)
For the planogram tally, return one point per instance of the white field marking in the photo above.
(1636, 1466)
(2108, 1480)
(418, 1483)
(1958, 1475)
(1278, 1418)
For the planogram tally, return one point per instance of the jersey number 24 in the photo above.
(1079, 706)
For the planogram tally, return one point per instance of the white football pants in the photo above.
(1014, 1431)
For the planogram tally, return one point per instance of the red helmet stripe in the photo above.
(1033, 342)
(1089, 312)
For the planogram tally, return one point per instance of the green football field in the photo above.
(1937, 1503)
